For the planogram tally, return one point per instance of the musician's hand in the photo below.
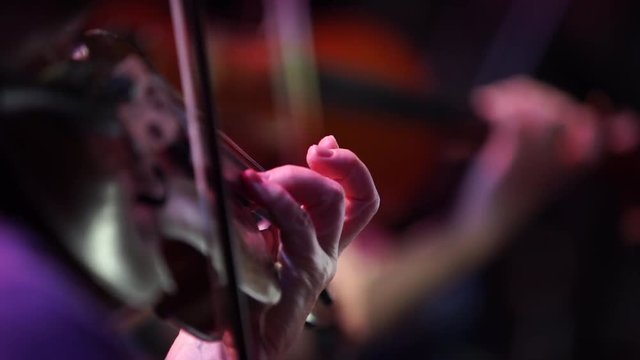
(539, 138)
(319, 211)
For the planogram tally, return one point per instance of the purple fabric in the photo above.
(44, 312)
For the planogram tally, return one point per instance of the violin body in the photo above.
(151, 115)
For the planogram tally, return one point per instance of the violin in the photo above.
(243, 75)
(199, 259)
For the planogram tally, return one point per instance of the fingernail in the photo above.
(329, 141)
(323, 152)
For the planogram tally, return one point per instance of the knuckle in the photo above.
(320, 274)
(335, 192)
(333, 197)
(346, 154)
(375, 202)
(308, 271)
(289, 171)
(331, 269)
(296, 221)
(302, 218)
(284, 207)
(350, 159)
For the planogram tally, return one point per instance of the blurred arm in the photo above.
(540, 138)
